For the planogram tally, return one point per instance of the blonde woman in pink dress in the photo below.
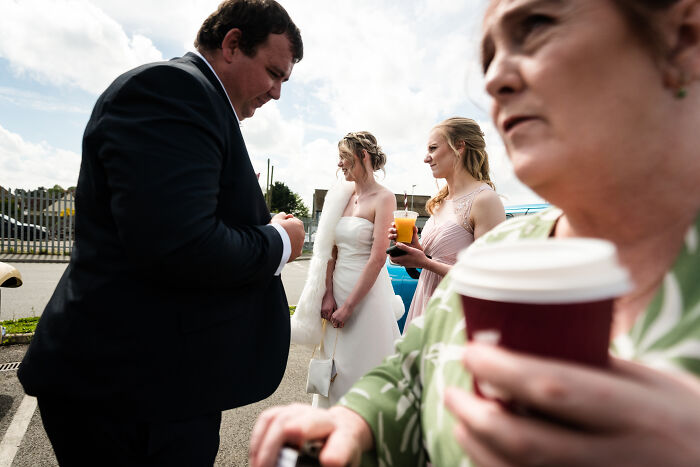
(463, 210)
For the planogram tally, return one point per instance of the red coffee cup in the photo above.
(552, 298)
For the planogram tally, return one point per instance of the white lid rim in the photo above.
(549, 296)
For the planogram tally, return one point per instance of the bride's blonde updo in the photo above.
(352, 144)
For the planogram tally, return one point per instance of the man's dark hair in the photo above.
(256, 19)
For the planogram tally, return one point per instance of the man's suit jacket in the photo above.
(169, 306)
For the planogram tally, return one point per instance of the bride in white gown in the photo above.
(358, 299)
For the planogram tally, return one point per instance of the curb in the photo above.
(10, 339)
(27, 258)
(23, 258)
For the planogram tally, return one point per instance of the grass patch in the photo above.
(28, 325)
(21, 325)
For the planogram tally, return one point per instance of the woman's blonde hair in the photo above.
(352, 144)
(475, 160)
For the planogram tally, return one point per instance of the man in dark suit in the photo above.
(172, 308)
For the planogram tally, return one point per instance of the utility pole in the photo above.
(272, 173)
(267, 185)
(413, 187)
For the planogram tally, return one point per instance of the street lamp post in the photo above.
(413, 187)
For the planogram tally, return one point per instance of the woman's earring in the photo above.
(682, 91)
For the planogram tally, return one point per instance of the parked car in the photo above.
(405, 286)
(12, 228)
(525, 209)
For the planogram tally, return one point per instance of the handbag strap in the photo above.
(323, 338)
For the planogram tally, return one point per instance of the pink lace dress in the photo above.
(445, 234)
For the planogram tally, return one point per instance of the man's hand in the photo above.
(346, 434)
(295, 229)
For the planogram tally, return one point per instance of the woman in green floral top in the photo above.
(598, 103)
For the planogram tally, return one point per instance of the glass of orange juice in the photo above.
(404, 221)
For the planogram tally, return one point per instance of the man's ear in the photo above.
(230, 44)
(684, 61)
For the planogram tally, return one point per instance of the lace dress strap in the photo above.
(463, 207)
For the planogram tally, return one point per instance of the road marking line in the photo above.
(15, 432)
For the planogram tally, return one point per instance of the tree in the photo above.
(57, 189)
(8, 205)
(284, 199)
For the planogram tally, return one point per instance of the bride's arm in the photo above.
(328, 305)
(384, 212)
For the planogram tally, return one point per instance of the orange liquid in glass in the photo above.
(404, 229)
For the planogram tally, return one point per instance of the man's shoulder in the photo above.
(180, 79)
(181, 68)
(169, 87)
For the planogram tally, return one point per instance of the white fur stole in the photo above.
(306, 320)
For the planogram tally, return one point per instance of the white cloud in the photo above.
(308, 165)
(161, 20)
(366, 63)
(25, 164)
(393, 68)
(34, 100)
(69, 42)
(512, 190)
(302, 165)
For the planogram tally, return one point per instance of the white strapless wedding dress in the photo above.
(369, 334)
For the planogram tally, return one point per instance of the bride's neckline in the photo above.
(357, 217)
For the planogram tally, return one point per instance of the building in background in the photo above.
(417, 201)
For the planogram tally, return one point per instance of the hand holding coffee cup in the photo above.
(551, 298)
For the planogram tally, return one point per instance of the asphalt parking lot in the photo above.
(23, 441)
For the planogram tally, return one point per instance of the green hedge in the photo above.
(20, 326)
(28, 325)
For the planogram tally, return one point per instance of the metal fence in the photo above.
(43, 222)
(37, 222)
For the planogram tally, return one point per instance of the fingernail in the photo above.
(478, 349)
(487, 336)
(471, 353)
(447, 396)
(453, 397)
(492, 392)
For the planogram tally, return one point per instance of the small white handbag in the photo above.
(322, 371)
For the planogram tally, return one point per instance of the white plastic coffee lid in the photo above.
(541, 271)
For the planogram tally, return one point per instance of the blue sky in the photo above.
(395, 68)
